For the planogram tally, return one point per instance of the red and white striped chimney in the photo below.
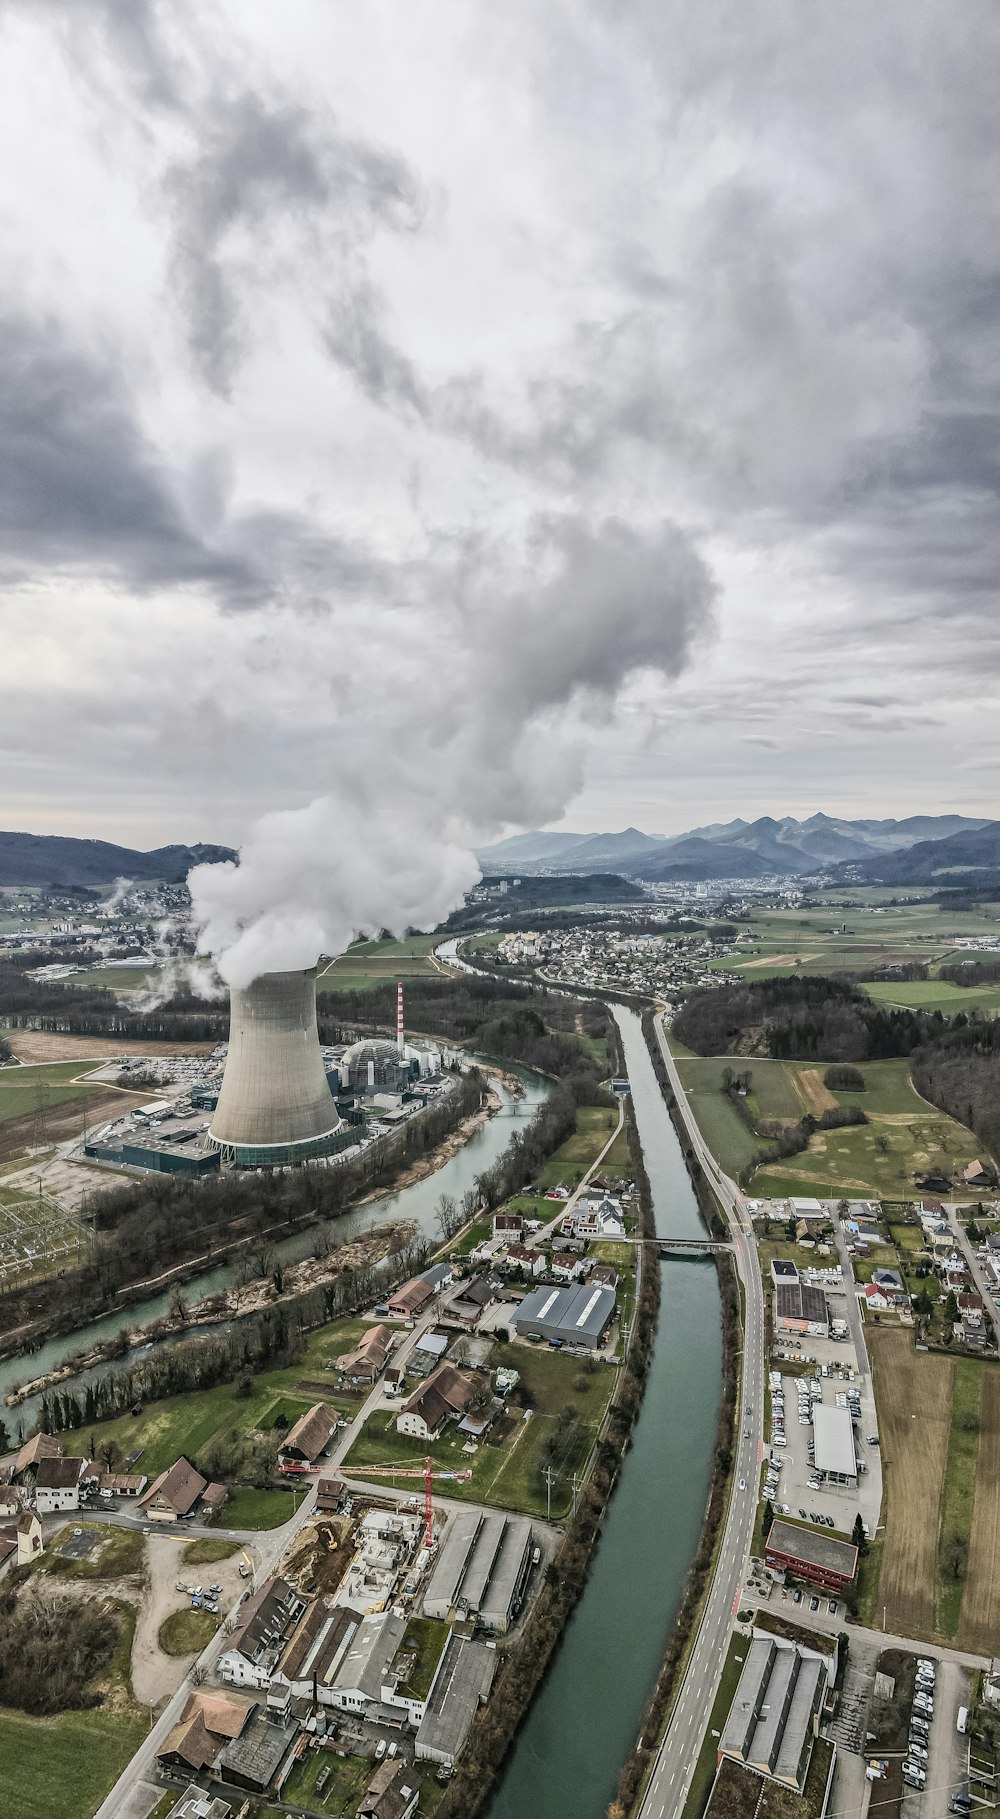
(400, 1044)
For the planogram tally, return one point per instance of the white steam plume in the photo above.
(457, 705)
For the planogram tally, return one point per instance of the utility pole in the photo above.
(576, 1487)
(548, 1475)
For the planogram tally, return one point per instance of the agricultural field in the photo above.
(937, 995)
(570, 1162)
(371, 963)
(939, 1418)
(48, 1103)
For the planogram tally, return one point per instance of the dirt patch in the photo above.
(913, 1395)
(980, 1621)
(774, 960)
(814, 1095)
(46, 1045)
(59, 1123)
(155, 1674)
(321, 1557)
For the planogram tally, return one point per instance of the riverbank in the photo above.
(446, 1149)
(238, 1302)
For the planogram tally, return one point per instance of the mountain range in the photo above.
(741, 849)
(56, 859)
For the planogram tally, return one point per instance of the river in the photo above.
(416, 1203)
(567, 1757)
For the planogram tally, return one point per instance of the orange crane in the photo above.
(405, 1470)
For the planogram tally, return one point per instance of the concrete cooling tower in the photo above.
(275, 1106)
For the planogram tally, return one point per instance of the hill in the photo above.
(56, 859)
(968, 857)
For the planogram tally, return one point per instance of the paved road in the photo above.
(269, 1546)
(675, 1762)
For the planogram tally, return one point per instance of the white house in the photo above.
(59, 1484)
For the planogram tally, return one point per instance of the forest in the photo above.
(51, 1647)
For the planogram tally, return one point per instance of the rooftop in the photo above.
(833, 1431)
(465, 1678)
(814, 1547)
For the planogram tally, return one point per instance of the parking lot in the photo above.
(789, 1468)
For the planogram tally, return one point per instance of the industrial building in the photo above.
(773, 1719)
(159, 1139)
(801, 1309)
(833, 1433)
(574, 1316)
(811, 1554)
(275, 1106)
(482, 1569)
(462, 1683)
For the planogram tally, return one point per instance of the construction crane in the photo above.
(405, 1470)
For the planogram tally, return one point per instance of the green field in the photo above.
(508, 1475)
(958, 1492)
(347, 1778)
(25, 1090)
(371, 963)
(116, 978)
(570, 1162)
(824, 939)
(187, 1632)
(938, 995)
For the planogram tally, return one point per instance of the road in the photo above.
(269, 1545)
(678, 1753)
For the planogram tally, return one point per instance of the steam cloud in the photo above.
(467, 715)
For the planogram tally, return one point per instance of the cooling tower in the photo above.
(275, 1106)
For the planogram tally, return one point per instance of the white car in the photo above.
(743, 1484)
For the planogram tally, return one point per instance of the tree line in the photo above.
(51, 1648)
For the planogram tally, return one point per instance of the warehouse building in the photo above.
(800, 1309)
(833, 1432)
(482, 1569)
(811, 1554)
(773, 1720)
(575, 1315)
(462, 1684)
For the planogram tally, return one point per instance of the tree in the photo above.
(859, 1537)
(881, 1143)
(447, 1217)
(954, 1554)
(768, 1517)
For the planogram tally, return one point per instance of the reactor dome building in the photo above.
(275, 1106)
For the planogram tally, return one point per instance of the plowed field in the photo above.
(914, 1404)
(979, 1629)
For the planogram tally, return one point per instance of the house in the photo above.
(122, 1484)
(411, 1299)
(976, 1175)
(329, 1495)
(392, 1792)
(508, 1225)
(971, 1307)
(27, 1538)
(305, 1443)
(603, 1276)
(194, 1803)
(265, 1623)
(443, 1397)
(367, 1362)
(931, 1208)
(567, 1268)
(174, 1493)
(876, 1299)
(59, 1483)
(208, 1722)
(891, 1284)
(524, 1257)
(40, 1446)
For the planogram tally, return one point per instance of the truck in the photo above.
(962, 1721)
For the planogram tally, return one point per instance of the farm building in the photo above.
(444, 1395)
(799, 1309)
(367, 1361)
(574, 1316)
(174, 1493)
(811, 1554)
(306, 1442)
(772, 1721)
(833, 1430)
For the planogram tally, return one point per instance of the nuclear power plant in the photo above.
(275, 1105)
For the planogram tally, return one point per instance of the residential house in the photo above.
(567, 1268)
(603, 1276)
(970, 1307)
(29, 1538)
(443, 1397)
(264, 1625)
(40, 1446)
(392, 1792)
(525, 1258)
(305, 1443)
(508, 1225)
(976, 1175)
(892, 1285)
(174, 1493)
(122, 1484)
(367, 1362)
(876, 1299)
(8, 1551)
(329, 1495)
(60, 1483)
(194, 1803)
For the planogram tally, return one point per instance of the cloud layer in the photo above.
(600, 403)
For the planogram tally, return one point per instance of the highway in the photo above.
(678, 1753)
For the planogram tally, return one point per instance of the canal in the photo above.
(567, 1757)
(416, 1203)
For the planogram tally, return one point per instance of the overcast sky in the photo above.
(611, 385)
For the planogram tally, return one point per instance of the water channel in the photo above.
(566, 1760)
(416, 1203)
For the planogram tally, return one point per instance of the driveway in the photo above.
(156, 1675)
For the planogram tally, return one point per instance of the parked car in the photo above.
(380, 1749)
(814, 1604)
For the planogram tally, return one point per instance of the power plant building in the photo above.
(275, 1106)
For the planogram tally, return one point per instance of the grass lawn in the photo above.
(203, 1552)
(570, 1162)
(476, 1234)
(426, 1638)
(731, 1142)
(347, 1779)
(23, 1089)
(937, 995)
(120, 1551)
(187, 1632)
(61, 1768)
(247, 1508)
(704, 1771)
(959, 1489)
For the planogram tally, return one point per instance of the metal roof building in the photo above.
(482, 1568)
(771, 1722)
(275, 1105)
(579, 1315)
(463, 1682)
(833, 1431)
